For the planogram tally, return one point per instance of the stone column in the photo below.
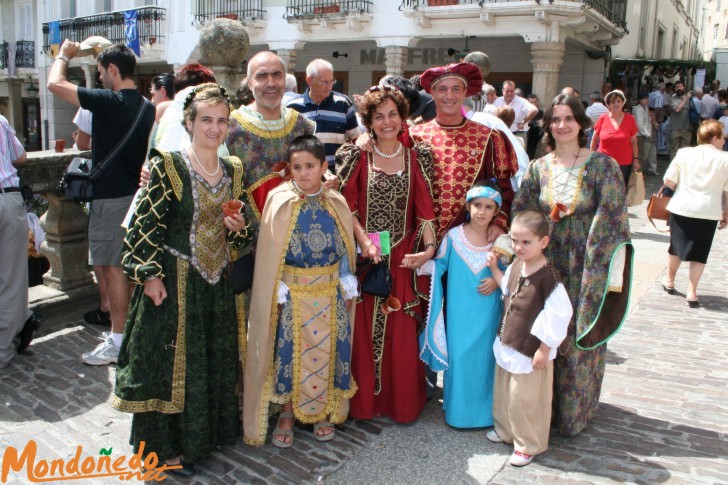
(15, 105)
(546, 58)
(66, 245)
(394, 58)
(89, 70)
(289, 57)
(65, 222)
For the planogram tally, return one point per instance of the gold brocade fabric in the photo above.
(463, 154)
(313, 301)
(387, 201)
(208, 232)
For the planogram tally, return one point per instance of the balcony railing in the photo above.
(613, 10)
(3, 55)
(111, 26)
(25, 53)
(246, 11)
(311, 9)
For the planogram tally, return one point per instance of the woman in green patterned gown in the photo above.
(591, 248)
(178, 363)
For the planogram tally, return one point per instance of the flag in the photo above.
(130, 31)
(54, 37)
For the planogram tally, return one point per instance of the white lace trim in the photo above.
(283, 291)
(476, 257)
(349, 286)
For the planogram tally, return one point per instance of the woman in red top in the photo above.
(615, 134)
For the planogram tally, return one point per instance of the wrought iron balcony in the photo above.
(246, 11)
(313, 9)
(24, 54)
(613, 10)
(3, 55)
(111, 26)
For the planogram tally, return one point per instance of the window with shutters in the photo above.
(24, 21)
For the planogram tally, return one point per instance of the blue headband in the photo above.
(483, 191)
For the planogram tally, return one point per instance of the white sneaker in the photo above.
(493, 436)
(520, 459)
(104, 353)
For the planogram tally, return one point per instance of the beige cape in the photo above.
(276, 225)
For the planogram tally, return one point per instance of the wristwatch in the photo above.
(61, 57)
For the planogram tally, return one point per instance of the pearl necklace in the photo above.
(384, 155)
(202, 167)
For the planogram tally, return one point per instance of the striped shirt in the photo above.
(10, 150)
(595, 111)
(335, 119)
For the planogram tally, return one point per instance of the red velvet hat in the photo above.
(468, 73)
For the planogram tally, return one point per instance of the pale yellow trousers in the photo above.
(522, 408)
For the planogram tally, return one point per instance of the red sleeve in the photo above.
(424, 207)
(351, 192)
(500, 161)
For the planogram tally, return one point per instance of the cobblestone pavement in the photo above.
(663, 416)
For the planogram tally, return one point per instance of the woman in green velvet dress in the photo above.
(178, 363)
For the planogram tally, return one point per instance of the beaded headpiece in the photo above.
(192, 94)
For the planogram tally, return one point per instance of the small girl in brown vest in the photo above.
(536, 315)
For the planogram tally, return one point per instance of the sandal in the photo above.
(322, 425)
(288, 433)
(670, 290)
(97, 317)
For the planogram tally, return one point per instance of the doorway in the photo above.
(31, 124)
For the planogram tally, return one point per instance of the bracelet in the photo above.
(61, 57)
(429, 244)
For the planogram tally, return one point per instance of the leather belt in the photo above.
(7, 190)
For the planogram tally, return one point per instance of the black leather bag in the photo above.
(377, 281)
(241, 274)
(77, 184)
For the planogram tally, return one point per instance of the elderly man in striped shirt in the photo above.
(333, 112)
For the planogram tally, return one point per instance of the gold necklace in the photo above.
(202, 167)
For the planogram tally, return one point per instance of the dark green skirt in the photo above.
(178, 366)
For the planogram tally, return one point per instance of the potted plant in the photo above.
(231, 16)
(331, 8)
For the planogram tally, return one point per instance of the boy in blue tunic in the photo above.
(301, 319)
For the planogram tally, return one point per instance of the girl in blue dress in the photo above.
(464, 349)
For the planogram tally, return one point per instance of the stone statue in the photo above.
(223, 46)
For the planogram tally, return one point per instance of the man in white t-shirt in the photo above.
(83, 137)
(524, 110)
